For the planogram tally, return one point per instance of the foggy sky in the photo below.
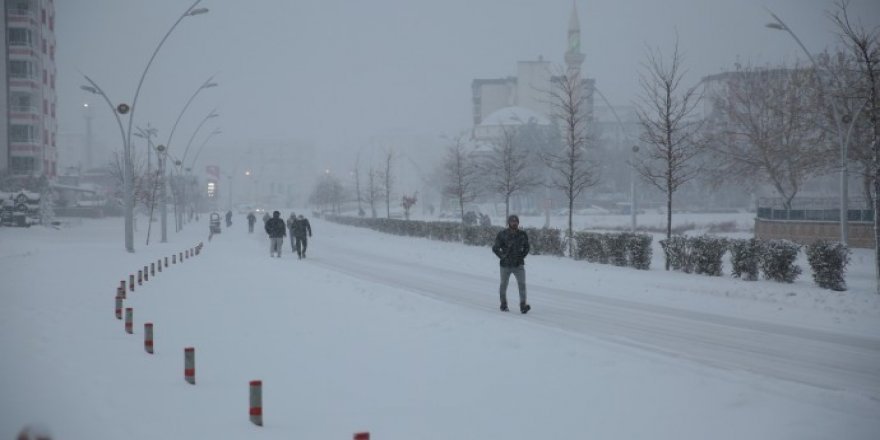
(337, 72)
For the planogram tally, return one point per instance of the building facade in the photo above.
(28, 103)
(530, 89)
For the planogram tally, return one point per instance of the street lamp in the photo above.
(199, 151)
(842, 141)
(633, 208)
(128, 171)
(212, 114)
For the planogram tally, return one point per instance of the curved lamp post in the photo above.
(842, 141)
(212, 114)
(128, 171)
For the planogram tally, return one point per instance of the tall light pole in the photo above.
(89, 113)
(205, 85)
(162, 155)
(128, 171)
(633, 208)
(201, 147)
(212, 114)
(838, 123)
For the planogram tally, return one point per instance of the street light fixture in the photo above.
(128, 169)
(842, 141)
(212, 114)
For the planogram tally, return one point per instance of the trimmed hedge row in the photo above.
(619, 249)
(775, 258)
(542, 241)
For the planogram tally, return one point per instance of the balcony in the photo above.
(21, 16)
(29, 113)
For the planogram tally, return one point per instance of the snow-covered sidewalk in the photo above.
(360, 336)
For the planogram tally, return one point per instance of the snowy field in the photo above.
(402, 337)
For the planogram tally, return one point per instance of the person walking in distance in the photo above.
(276, 230)
(290, 222)
(251, 220)
(511, 246)
(300, 227)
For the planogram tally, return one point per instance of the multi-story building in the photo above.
(528, 93)
(28, 100)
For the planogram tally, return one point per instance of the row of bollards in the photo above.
(255, 410)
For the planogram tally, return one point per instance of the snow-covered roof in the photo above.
(514, 115)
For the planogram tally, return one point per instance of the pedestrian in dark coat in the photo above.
(511, 246)
(290, 222)
(251, 220)
(301, 227)
(277, 231)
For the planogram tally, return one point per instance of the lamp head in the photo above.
(89, 89)
(198, 11)
(160, 148)
(776, 26)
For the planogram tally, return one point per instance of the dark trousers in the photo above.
(251, 228)
(519, 272)
(301, 244)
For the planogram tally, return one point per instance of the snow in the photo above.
(402, 337)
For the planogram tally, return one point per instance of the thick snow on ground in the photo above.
(402, 337)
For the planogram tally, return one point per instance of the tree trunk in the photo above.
(668, 220)
(570, 229)
(506, 207)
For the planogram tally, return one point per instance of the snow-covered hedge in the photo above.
(828, 261)
(619, 249)
(545, 241)
(701, 255)
(778, 260)
(745, 257)
(480, 235)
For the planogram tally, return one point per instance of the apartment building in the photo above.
(28, 103)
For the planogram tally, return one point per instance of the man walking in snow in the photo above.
(291, 221)
(300, 227)
(511, 247)
(276, 230)
(251, 220)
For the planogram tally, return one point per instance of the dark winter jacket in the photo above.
(275, 227)
(300, 227)
(251, 219)
(511, 246)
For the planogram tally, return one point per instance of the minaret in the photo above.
(573, 56)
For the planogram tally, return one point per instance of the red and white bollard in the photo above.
(189, 365)
(120, 291)
(129, 319)
(148, 337)
(118, 305)
(256, 411)
(174, 259)
(362, 436)
(140, 277)
(181, 257)
(131, 283)
(122, 285)
(159, 263)
(146, 273)
(152, 269)
(166, 262)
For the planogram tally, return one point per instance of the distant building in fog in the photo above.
(527, 93)
(27, 99)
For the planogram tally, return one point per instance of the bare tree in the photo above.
(328, 193)
(668, 128)
(460, 175)
(764, 126)
(571, 170)
(374, 192)
(508, 170)
(865, 47)
(388, 181)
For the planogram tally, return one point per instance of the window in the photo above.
(44, 45)
(45, 77)
(19, 37)
(53, 115)
(43, 15)
(21, 69)
(46, 136)
(20, 102)
(52, 81)
(52, 52)
(52, 23)
(21, 164)
(45, 106)
(21, 133)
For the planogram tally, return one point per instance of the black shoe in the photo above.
(524, 308)
(504, 307)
